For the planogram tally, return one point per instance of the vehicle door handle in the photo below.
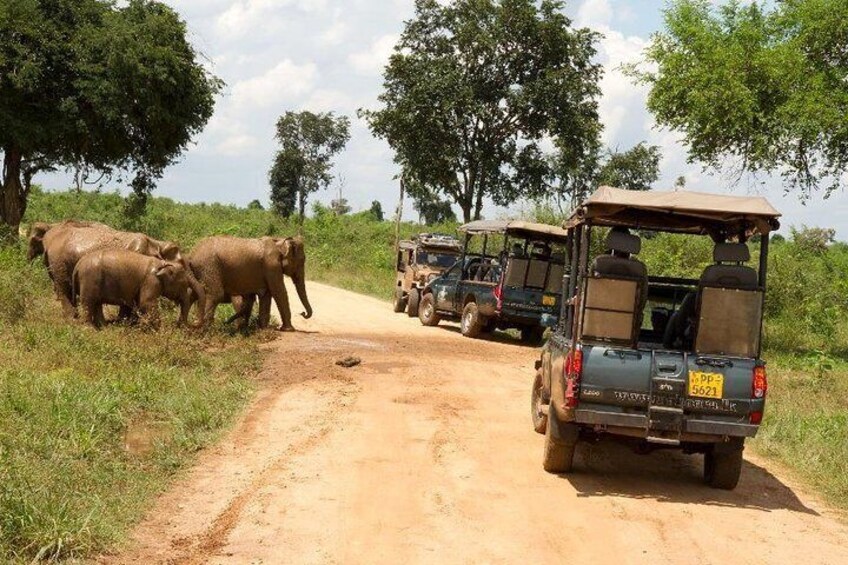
(622, 353)
(667, 368)
(713, 362)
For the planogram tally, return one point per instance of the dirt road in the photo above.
(424, 454)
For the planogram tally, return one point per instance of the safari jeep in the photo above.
(660, 362)
(419, 261)
(509, 274)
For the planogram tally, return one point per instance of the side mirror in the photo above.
(549, 321)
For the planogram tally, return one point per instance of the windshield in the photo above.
(440, 260)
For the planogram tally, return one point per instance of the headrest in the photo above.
(624, 242)
(731, 253)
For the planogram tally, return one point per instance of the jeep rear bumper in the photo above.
(637, 425)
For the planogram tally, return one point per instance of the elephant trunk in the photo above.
(300, 285)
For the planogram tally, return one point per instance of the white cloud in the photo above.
(282, 83)
(594, 13)
(374, 59)
(261, 16)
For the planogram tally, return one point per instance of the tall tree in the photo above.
(376, 211)
(474, 86)
(308, 142)
(433, 211)
(638, 168)
(755, 89)
(95, 85)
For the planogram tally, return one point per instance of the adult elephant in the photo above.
(236, 267)
(132, 281)
(64, 244)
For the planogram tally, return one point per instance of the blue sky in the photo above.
(278, 55)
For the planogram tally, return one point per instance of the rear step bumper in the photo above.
(639, 424)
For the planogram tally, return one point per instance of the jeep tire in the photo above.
(427, 311)
(412, 302)
(559, 452)
(533, 335)
(723, 465)
(537, 403)
(399, 304)
(472, 322)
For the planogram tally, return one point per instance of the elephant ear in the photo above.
(169, 251)
(166, 270)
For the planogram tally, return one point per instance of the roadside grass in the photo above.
(806, 420)
(94, 423)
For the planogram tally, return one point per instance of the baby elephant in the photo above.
(126, 278)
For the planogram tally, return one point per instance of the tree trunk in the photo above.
(301, 207)
(399, 215)
(478, 204)
(13, 203)
(466, 211)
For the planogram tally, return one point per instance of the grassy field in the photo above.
(72, 399)
(93, 424)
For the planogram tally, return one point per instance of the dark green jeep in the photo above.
(660, 362)
(509, 274)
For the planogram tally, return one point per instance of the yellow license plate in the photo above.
(549, 301)
(706, 385)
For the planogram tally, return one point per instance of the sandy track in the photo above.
(425, 453)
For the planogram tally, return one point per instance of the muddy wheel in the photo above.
(427, 311)
(472, 322)
(533, 335)
(537, 403)
(723, 466)
(399, 304)
(412, 302)
(559, 456)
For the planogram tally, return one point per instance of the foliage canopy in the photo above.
(98, 86)
(308, 142)
(473, 88)
(756, 90)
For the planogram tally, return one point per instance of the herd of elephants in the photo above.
(93, 265)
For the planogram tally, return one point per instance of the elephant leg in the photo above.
(265, 310)
(281, 297)
(243, 306)
(93, 312)
(128, 314)
(214, 296)
(64, 292)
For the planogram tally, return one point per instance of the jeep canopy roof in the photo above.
(435, 241)
(515, 227)
(682, 211)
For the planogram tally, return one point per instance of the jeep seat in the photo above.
(619, 262)
(729, 271)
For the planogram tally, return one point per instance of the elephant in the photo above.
(230, 267)
(131, 280)
(65, 243)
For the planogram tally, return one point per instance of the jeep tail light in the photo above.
(759, 385)
(756, 417)
(498, 292)
(573, 371)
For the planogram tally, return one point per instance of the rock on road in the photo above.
(425, 454)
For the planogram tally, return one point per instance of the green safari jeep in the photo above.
(659, 362)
